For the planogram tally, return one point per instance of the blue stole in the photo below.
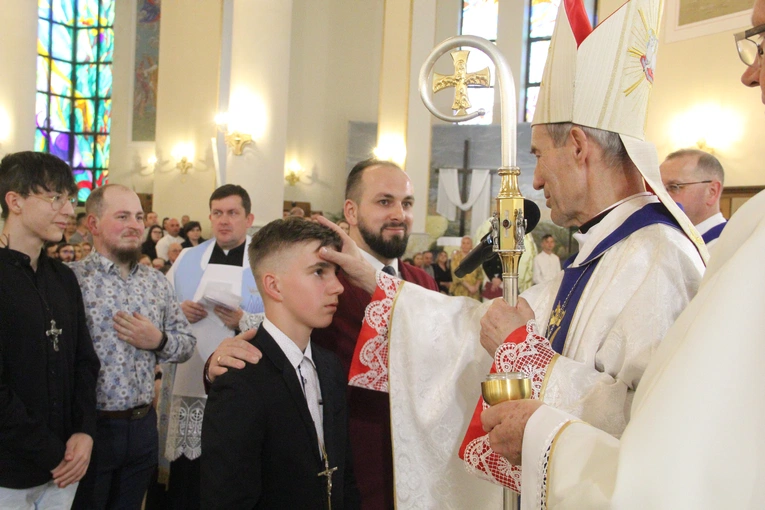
(575, 278)
(714, 232)
(188, 274)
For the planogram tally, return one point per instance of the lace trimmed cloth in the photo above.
(525, 350)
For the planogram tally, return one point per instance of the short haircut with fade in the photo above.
(706, 163)
(546, 237)
(30, 172)
(230, 190)
(280, 235)
(353, 188)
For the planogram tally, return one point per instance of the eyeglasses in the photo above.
(748, 50)
(678, 186)
(57, 202)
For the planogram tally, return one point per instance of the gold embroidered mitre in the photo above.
(602, 78)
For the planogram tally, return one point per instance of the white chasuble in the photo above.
(695, 436)
(424, 348)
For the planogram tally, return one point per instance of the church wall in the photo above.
(334, 79)
(18, 41)
(189, 55)
(126, 157)
(698, 80)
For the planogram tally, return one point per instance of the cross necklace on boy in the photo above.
(328, 473)
(53, 333)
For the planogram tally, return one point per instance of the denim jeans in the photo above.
(125, 453)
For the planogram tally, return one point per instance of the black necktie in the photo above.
(389, 270)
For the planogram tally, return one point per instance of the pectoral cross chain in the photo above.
(328, 473)
(53, 333)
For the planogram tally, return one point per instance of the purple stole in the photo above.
(575, 278)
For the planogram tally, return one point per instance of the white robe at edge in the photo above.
(436, 362)
(695, 440)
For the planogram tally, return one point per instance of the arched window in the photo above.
(480, 17)
(539, 30)
(75, 46)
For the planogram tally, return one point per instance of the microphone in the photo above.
(484, 251)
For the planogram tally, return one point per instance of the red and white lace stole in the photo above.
(369, 367)
(524, 350)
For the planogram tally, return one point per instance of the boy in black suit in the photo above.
(275, 433)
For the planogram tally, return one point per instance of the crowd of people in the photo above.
(305, 366)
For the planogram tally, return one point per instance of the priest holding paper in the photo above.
(215, 285)
(597, 323)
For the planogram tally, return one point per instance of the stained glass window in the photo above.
(479, 17)
(75, 46)
(542, 14)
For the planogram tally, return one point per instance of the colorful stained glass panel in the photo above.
(543, 14)
(43, 9)
(106, 43)
(107, 12)
(59, 145)
(43, 37)
(87, 13)
(62, 42)
(104, 116)
(105, 80)
(83, 151)
(63, 11)
(102, 177)
(41, 141)
(86, 80)
(86, 45)
(74, 98)
(103, 144)
(84, 115)
(41, 110)
(60, 113)
(479, 17)
(61, 78)
(84, 181)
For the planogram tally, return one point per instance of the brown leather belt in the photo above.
(128, 414)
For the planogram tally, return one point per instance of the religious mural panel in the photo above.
(146, 71)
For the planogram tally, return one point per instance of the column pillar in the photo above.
(257, 101)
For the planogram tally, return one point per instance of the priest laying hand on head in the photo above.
(502, 321)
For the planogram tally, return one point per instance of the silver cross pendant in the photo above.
(53, 334)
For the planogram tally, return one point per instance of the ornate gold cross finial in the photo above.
(460, 81)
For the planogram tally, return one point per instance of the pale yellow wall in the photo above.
(334, 79)
(706, 71)
(18, 51)
(126, 157)
(189, 53)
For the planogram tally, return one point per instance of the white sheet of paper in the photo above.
(210, 331)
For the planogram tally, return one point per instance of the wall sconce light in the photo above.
(708, 127)
(235, 140)
(183, 154)
(293, 173)
(150, 167)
